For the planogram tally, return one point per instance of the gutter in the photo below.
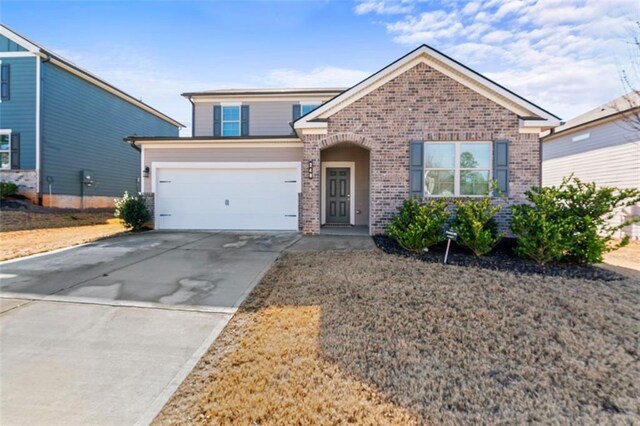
(132, 143)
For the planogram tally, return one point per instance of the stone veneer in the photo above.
(420, 104)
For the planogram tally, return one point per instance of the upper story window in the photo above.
(5, 149)
(307, 108)
(231, 120)
(457, 169)
(5, 86)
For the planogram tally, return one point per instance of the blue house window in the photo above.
(5, 86)
(5, 149)
(307, 108)
(231, 121)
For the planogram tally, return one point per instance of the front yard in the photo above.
(23, 233)
(373, 338)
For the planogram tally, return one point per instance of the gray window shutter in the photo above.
(416, 169)
(5, 79)
(15, 150)
(296, 111)
(501, 165)
(244, 120)
(217, 120)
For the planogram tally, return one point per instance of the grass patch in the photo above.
(12, 220)
(373, 338)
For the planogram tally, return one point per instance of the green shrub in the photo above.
(8, 189)
(132, 211)
(571, 222)
(539, 226)
(418, 226)
(475, 224)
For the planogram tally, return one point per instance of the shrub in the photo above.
(418, 226)
(475, 224)
(571, 222)
(132, 211)
(8, 189)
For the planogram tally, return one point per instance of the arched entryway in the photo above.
(345, 189)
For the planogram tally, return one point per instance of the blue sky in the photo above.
(565, 55)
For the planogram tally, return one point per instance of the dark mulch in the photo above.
(501, 258)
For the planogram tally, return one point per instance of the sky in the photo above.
(564, 55)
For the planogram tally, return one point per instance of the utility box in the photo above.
(86, 177)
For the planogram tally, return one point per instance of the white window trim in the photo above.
(323, 190)
(8, 133)
(222, 120)
(457, 169)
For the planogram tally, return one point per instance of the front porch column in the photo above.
(311, 186)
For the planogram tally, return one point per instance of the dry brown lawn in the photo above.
(371, 338)
(27, 233)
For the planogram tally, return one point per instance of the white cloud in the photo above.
(565, 55)
(383, 7)
(318, 77)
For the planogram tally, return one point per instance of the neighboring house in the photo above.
(61, 129)
(598, 146)
(423, 126)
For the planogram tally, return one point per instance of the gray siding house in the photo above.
(62, 129)
(598, 146)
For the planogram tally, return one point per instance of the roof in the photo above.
(55, 58)
(617, 106)
(525, 109)
(269, 91)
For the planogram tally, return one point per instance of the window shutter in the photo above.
(501, 165)
(15, 150)
(416, 169)
(5, 79)
(217, 120)
(296, 111)
(244, 120)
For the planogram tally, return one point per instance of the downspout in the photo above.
(193, 117)
(41, 58)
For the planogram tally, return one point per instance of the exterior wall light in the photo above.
(145, 172)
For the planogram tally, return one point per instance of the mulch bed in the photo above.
(501, 258)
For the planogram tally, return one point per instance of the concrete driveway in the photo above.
(104, 333)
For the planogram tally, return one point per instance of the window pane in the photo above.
(475, 156)
(440, 156)
(4, 160)
(307, 108)
(230, 113)
(4, 142)
(474, 183)
(231, 129)
(439, 182)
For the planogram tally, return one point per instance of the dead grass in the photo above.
(626, 257)
(14, 244)
(11, 220)
(371, 338)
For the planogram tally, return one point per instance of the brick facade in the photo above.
(420, 104)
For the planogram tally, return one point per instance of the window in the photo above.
(307, 108)
(231, 121)
(5, 77)
(457, 169)
(5, 149)
(581, 137)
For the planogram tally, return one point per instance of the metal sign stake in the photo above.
(451, 235)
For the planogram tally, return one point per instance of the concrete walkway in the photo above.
(333, 242)
(104, 333)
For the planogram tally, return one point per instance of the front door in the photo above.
(338, 195)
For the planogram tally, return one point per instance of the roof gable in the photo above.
(531, 114)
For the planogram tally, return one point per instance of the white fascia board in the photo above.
(540, 123)
(19, 40)
(17, 54)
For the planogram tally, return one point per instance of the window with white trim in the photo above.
(231, 118)
(307, 108)
(457, 169)
(5, 149)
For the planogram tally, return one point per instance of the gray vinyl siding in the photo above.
(83, 127)
(269, 118)
(18, 114)
(204, 155)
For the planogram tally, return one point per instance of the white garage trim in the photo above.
(352, 188)
(226, 165)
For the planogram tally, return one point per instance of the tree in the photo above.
(630, 106)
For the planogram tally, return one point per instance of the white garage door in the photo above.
(227, 198)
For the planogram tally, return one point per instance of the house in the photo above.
(61, 128)
(309, 159)
(599, 146)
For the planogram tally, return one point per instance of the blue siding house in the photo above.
(62, 129)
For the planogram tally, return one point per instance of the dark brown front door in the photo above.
(338, 196)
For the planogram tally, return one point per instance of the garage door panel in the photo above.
(234, 199)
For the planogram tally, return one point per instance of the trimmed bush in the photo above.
(418, 226)
(571, 222)
(8, 189)
(132, 211)
(475, 224)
